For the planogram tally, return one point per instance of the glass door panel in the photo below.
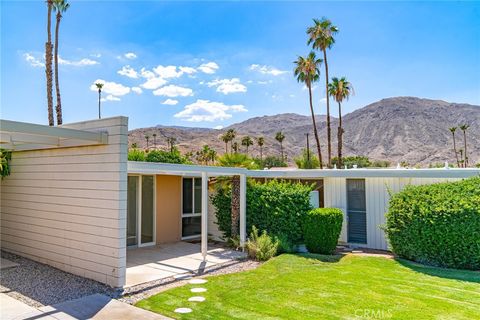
(147, 217)
(132, 205)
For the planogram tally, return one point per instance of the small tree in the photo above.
(307, 160)
(279, 136)
(247, 142)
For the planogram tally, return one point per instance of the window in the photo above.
(191, 207)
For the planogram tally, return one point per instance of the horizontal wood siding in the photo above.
(67, 207)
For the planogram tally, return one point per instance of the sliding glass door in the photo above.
(141, 211)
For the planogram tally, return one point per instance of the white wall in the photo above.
(377, 198)
(67, 207)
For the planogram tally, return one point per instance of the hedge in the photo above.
(437, 224)
(275, 206)
(321, 229)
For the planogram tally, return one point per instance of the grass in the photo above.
(330, 287)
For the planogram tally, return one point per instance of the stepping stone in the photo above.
(183, 310)
(196, 299)
(197, 281)
(196, 290)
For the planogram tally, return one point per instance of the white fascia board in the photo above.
(141, 167)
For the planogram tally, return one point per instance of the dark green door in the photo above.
(356, 211)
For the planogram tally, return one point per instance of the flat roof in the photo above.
(140, 167)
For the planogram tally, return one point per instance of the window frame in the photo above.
(193, 214)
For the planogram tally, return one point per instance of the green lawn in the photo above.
(322, 287)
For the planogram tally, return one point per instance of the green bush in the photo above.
(136, 155)
(284, 244)
(262, 247)
(276, 206)
(437, 224)
(308, 160)
(173, 156)
(321, 230)
(5, 158)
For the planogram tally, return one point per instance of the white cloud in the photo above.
(79, 63)
(170, 102)
(205, 110)
(153, 83)
(218, 127)
(267, 70)
(227, 86)
(34, 62)
(130, 55)
(173, 91)
(147, 74)
(110, 98)
(96, 55)
(209, 67)
(167, 72)
(137, 90)
(111, 88)
(128, 71)
(187, 70)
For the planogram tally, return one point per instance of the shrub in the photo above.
(284, 244)
(321, 230)
(271, 162)
(308, 160)
(136, 155)
(5, 158)
(173, 156)
(437, 224)
(276, 206)
(262, 247)
(360, 161)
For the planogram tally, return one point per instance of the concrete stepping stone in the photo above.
(183, 310)
(197, 281)
(197, 290)
(196, 299)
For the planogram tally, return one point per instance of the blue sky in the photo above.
(236, 57)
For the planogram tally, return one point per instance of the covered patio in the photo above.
(174, 260)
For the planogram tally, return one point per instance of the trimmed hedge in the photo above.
(437, 224)
(277, 207)
(321, 229)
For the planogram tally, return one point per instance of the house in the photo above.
(75, 202)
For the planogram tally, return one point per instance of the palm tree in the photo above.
(279, 136)
(261, 142)
(99, 87)
(171, 142)
(48, 63)
(154, 140)
(321, 36)
(226, 139)
(452, 130)
(232, 134)
(464, 128)
(307, 71)
(60, 6)
(247, 142)
(340, 89)
(147, 137)
(234, 147)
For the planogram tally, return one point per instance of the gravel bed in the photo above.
(38, 284)
(134, 294)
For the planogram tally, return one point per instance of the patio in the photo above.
(173, 260)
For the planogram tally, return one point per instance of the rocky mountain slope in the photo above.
(395, 129)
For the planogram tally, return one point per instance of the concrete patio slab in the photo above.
(5, 264)
(164, 261)
(14, 309)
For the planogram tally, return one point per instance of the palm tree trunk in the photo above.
(261, 153)
(235, 205)
(465, 157)
(99, 99)
(329, 135)
(226, 147)
(315, 127)
(455, 150)
(340, 135)
(58, 108)
(48, 65)
(281, 149)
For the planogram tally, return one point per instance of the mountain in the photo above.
(395, 129)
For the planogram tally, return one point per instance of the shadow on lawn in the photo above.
(455, 274)
(322, 257)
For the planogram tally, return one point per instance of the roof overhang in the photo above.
(21, 136)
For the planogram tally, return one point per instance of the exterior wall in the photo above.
(66, 207)
(169, 206)
(377, 196)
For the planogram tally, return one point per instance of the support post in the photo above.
(243, 209)
(204, 244)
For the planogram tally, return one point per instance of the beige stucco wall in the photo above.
(67, 207)
(169, 205)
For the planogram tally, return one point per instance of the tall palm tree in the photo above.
(171, 142)
(307, 71)
(321, 36)
(232, 134)
(261, 142)
(154, 140)
(452, 130)
(99, 87)
(48, 63)
(60, 6)
(226, 139)
(147, 138)
(464, 128)
(340, 89)
(279, 136)
(247, 142)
